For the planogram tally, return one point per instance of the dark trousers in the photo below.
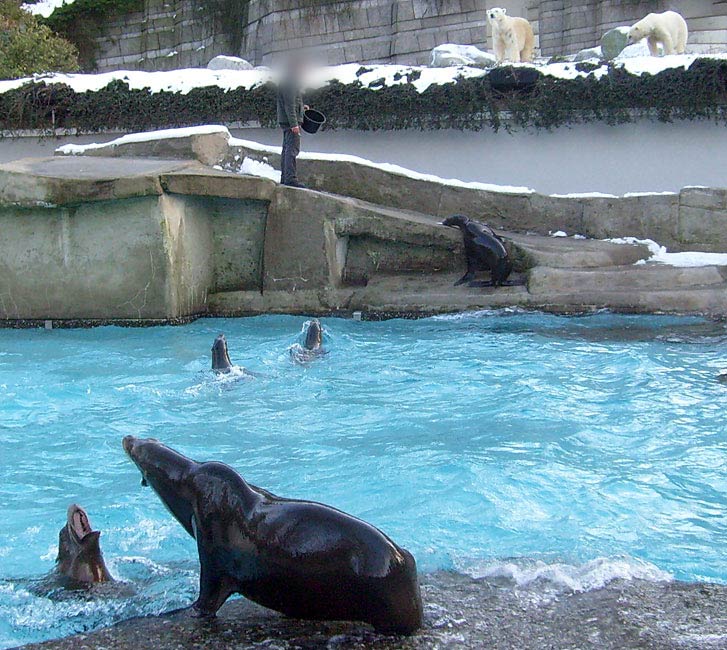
(288, 162)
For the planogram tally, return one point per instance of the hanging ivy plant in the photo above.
(700, 92)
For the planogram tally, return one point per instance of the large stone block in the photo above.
(92, 269)
(647, 217)
(703, 228)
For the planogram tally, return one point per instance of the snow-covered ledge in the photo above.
(693, 219)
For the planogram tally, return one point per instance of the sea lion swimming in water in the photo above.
(220, 356)
(485, 251)
(79, 552)
(312, 346)
(301, 558)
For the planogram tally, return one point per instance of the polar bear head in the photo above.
(496, 14)
(637, 33)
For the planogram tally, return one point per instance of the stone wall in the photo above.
(171, 34)
(566, 27)
(144, 239)
(403, 31)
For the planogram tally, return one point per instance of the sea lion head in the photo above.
(168, 473)
(455, 221)
(314, 335)
(220, 356)
(79, 550)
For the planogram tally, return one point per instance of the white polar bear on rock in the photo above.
(513, 38)
(669, 29)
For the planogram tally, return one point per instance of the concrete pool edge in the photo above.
(460, 612)
(97, 239)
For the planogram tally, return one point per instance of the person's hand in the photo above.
(296, 130)
(306, 107)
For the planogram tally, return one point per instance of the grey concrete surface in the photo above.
(642, 157)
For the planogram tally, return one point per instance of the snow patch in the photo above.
(660, 255)
(144, 136)
(369, 76)
(257, 168)
(46, 7)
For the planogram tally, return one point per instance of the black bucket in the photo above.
(313, 120)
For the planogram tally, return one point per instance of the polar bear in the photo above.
(669, 29)
(513, 38)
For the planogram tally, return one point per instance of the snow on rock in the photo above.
(223, 62)
(46, 7)
(74, 149)
(449, 54)
(369, 76)
(257, 168)
(147, 136)
(387, 167)
(590, 53)
(659, 254)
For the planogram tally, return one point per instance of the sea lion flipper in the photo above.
(465, 278)
(214, 588)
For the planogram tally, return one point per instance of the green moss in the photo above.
(28, 47)
(699, 92)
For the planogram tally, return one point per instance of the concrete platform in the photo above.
(104, 239)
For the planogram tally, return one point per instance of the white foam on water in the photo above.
(479, 313)
(561, 576)
(145, 535)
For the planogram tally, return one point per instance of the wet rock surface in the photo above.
(460, 612)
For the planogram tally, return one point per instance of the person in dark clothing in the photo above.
(290, 117)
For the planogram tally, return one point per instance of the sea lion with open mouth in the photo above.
(79, 552)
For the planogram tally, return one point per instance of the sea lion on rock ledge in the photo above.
(485, 251)
(301, 558)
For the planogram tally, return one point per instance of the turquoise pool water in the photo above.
(535, 449)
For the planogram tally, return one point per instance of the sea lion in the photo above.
(312, 346)
(301, 558)
(220, 356)
(79, 552)
(485, 251)
(722, 377)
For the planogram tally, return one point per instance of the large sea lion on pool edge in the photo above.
(485, 251)
(79, 552)
(301, 558)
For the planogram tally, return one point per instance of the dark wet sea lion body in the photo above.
(312, 345)
(301, 558)
(79, 552)
(220, 355)
(485, 251)
(314, 335)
